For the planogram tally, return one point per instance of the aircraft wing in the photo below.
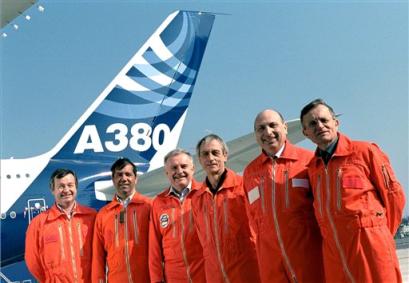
(241, 151)
(10, 9)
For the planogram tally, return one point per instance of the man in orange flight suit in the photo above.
(59, 240)
(358, 201)
(221, 219)
(121, 231)
(280, 203)
(175, 253)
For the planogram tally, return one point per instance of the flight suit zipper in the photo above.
(173, 223)
(60, 232)
(217, 240)
(386, 178)
(287, 197)
(277, 226)
(334, 229)
(128, 265)
(80, 239)
(206, 222)
(73, 261)
(191, 226)
(116, 231)
(135, 227)
(318, 195)
(263, 208)
(339, 189)
(182, 243)
(225, 216)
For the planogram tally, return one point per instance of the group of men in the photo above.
(294, 216)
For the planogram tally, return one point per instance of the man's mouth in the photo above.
(65, 195)
(179, 177)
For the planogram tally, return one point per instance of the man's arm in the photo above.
(155, 249)
(98, 253)
(250, 193)
(33, 249)
(389, 189)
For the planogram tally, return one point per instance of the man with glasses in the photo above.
(357, 200)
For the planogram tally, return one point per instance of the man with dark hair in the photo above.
(280, 205)
(120, 246)
(175, 253)
(59, 240)
(358, 201)
(221, 218)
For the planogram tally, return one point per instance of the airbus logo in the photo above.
(141, 139)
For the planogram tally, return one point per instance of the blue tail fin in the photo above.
(141, 112)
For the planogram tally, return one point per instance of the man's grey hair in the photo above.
(209, 138)
(177, 151)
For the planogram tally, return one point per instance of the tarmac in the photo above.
(403, 256)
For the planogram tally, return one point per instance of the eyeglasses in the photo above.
(324, 121)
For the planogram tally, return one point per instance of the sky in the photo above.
(261, 54)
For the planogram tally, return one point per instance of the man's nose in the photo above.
(268, 130)
(319, 124)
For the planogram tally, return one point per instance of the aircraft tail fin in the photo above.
(140, 114)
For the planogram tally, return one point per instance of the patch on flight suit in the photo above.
(253, 195)
(303, 183)
(164, 220)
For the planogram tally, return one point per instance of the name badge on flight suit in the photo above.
(253, 194)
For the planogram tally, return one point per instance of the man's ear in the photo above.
(304, 132)
(337, 122)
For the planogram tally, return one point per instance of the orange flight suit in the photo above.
(358, 204)
(59, 249)
(175, 253)
(224, 232)
(121, 242)
(288, 240)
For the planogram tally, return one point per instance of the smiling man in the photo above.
(121, 231)
(357, 200)
(221, 218)
(175, 253)
(59, 240)
(280, 205)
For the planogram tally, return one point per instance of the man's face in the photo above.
(271, 131)
(65, 190)
(212, 157)
(179, 169)
(124, 181)
(320, 126)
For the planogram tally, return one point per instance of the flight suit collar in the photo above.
(136, 199)
(343, 148)
(55, 212)
(287, 152)
(229, 182)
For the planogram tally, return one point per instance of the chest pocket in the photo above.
(169, 222)
(231, 215)
(351, 186)
(255, 189)
(297, 193)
